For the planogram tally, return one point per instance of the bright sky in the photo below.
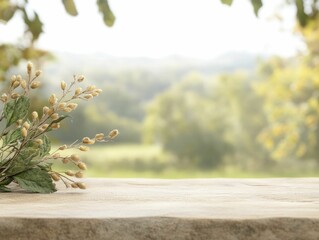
(159, 28)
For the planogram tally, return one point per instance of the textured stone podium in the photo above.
(166, 209)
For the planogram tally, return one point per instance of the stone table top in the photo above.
(207, 201)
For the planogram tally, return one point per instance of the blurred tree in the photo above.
(246, 118)
(188, 124)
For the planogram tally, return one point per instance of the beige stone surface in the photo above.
(166, 209)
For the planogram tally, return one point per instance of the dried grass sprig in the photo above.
(25, 148)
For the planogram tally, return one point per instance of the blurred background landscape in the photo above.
(196, 89)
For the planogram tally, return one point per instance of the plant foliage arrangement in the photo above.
(25, 149)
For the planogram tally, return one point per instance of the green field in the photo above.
(150, 161)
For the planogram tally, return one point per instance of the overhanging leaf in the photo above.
(70, 7)
(301, 15)
(227, 2)
(35, 26)
(16, 109)
(257, 4)
(35, 180)
(108, 16)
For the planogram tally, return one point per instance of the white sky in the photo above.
(159, 28)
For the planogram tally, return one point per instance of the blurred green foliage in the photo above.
(268, 119)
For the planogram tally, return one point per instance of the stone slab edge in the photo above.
(158, 228)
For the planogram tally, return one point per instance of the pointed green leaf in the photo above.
(35, 26)
(16, 109)
(227, 2)
(12, 136)
(257, 4)
(35, 180)
(70, 7)
(108, 16)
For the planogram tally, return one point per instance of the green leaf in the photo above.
(35, 180)
(45, 147)
(257, 4)
(45, 166)
(23, 160)
(70, 7)
(35, 26)
(4, 189)
(12, 136)
(6, 181)
(227, 2)
(16, 109)
(108, 16)
(301, 15)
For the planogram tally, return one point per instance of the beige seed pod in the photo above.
(61, 106)
(67, 109)
(113, 133)
(15, 84)
(82, 166)
(99, 136)
(23, 84)
(38, 73)
(38, 141)
(45, 110)
(26, 125)
(65, 160)
(34, 115)
(55, 116)
(79, 174)
(88, 96)
(56, 155)
(51, 111)
(52, 99)
(87, 140)
(98, 90)
(63, 147)
(55, 125)
(63, 85)
(74, 185)
(75, 157)
(55, 177)
(95, 94)
(81, 78)
(15, 95)
(19, 122)
(13, 78)
(81, 185)
(4, 97)
(24, 132)
(19, 78)
(70, 173)
(91, 88)
(35, 84)
(29, 67)
(84, 148)
(78, 91)
(72, 105)
(43, 127)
